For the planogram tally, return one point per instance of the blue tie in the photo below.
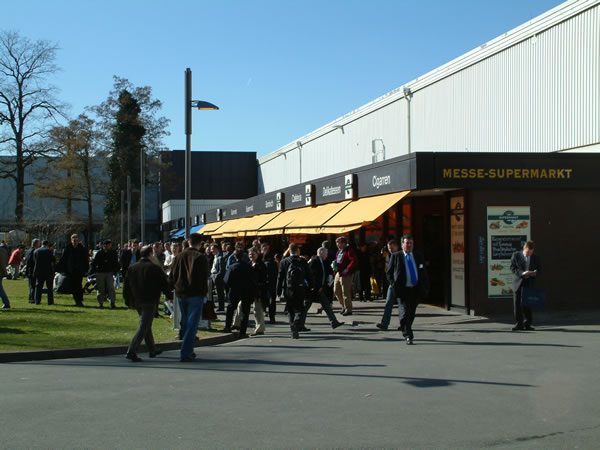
(411, 270)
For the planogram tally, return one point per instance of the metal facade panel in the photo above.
(538, 92)
(341, 149)
(541, 95)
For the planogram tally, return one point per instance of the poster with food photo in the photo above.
(508, 228)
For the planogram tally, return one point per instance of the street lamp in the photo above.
(189, 104)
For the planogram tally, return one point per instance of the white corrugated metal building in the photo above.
(494, 148)
(536, 88)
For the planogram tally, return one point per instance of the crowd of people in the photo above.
(198, 278)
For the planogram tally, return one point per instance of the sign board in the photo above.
(457, 244)
(508, 228)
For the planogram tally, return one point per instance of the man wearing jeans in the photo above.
(189, 275)
(346, 264)
(391, 297)
(142, 287)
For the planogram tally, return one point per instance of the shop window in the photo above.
(392, 221)
(406, 218)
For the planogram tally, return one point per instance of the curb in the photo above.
(41, 355)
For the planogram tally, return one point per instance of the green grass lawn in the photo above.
(41, 327)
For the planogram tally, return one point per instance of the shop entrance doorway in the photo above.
(433, 249)
(431, 240)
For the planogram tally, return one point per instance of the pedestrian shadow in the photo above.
(17, 310)
(11, 330)
(213, 365)
(291, 347)
(488, 343)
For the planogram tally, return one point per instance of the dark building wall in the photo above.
(564, 227)
(215, 175)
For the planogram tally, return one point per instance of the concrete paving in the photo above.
(467, 382)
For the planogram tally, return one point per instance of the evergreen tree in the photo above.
(124, 160)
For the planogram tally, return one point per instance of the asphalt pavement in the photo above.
(468, 382)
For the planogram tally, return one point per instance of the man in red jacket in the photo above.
(346, 263)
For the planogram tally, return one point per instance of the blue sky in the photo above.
(277, 69)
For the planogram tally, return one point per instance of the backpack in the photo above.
(295, 274)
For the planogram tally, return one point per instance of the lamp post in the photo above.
(189, 104)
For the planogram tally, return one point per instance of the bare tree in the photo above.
(75, 174)
(27, 106)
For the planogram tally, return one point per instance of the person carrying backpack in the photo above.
(295, 282)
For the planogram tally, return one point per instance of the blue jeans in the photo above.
(191, 312)
(389, 306)
(3, 294)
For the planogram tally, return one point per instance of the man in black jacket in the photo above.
(29, 265)
(525, 266)
(129, 256)
(242, 285)
(295, 281)
(142, 288)
(43, 271)
(406, 273)
(322, 274)
(272, 271)
(104, 265)
(75, 263)
(217, 274)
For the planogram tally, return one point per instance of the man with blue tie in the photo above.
(407, 276)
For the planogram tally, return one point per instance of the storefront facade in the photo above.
(467, 213)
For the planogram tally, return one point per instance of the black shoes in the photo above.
(188, 358)
(382, 327)
(133, 358)
(304, 329)
(113, 306)
(154, 354)
(337, 324)
(347, 313)
(258, 333)
(529, 328)
(409, 341)
(5, 306)
(518, 328)
(295, 334)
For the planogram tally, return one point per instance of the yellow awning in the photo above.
(231, 228)
(278, 224)
(255, 223)
(312, 219)
(211, 227)
(361, 212)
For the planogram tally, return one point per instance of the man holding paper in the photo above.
(525, 267)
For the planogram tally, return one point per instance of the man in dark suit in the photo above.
(525, 267)
(29, 265)
(43, 271)
(241, 282)
(322, 274)
(75, 263)
(129, 256)
(295, 281)
(407, 275)
(142, 288)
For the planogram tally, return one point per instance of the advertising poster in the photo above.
(508, 228)
(457, 242)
